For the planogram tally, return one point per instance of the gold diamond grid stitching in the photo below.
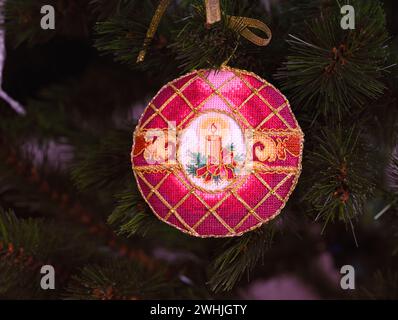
(179, 92)
(272, 191)
(275, 111)
(165, 202)
(255, 92)
(216, 91)
(213, 210)
(231, 192)
(158, 111)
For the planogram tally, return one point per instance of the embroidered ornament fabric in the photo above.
(217, 153)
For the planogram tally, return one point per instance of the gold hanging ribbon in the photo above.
(160, 10)
(242, 25)
(213, 11)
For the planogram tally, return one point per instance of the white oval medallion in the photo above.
(212, 151)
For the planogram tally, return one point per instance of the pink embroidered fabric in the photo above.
(217, 153)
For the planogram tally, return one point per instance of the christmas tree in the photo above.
(68, 197)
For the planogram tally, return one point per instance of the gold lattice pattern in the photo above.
(173, 209)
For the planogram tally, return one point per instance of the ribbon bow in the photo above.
(225, 171)
(213, 14)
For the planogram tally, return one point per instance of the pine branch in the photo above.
(344, 178)
(122, 35)
(47, 117)
(27, 245)
(74, 109)
(333, 72)
(106, 165)
(118, 280)
(197, 45)
(27, 179)
(239, 256)
(183, 41)
(131, 216)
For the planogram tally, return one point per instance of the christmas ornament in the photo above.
(217, 153)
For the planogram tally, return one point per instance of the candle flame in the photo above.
(213, 128)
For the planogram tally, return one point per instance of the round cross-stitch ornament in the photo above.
(217, 153)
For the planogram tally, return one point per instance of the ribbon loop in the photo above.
(242, 25)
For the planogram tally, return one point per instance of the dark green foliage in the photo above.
(27, 245)
(106, 165)
(131, 216)
(331, 71)
(122, 34)
(239, 256)
(183, 39)
(15, 192)
(200, 46)
(118, 281)
(43, 239)
(47, 117)
(343, 179)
